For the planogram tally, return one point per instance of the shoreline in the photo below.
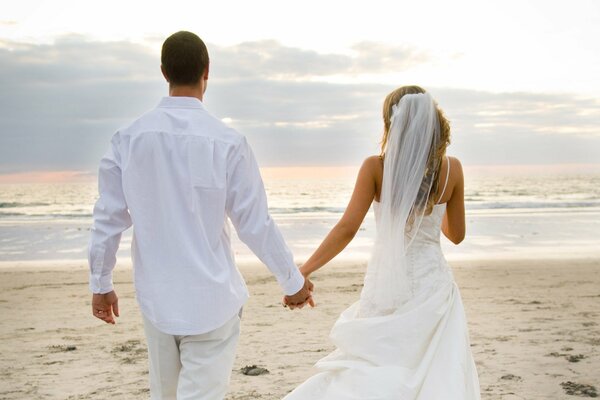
(498, 236)
(533, 324)
(252, 263)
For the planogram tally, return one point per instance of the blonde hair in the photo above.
(434, 161)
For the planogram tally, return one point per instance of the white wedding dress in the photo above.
(417, 348)
(421, 351)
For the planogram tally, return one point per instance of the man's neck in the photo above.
(187, 91)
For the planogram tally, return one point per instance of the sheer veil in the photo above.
(408, 176)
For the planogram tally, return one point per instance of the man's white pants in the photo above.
(194, 367)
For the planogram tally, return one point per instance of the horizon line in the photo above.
(294, 172)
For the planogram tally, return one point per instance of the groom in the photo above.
(176, 174)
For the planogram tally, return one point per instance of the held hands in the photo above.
(302, 297)
(104, 305)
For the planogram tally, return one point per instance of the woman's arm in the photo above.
(346, 228)
(453, 224)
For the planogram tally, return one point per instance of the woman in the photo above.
(406, 338)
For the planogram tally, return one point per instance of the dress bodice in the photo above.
(428, 232)
(427, 266)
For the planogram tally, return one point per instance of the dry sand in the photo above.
(534, 326)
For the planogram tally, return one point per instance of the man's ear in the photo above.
(162, 69)
(205, 76)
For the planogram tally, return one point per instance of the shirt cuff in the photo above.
(293, 283)
(101, 285)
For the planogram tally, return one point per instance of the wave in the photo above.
(306, 210)
(487, 205)
(273, 210)
(19, 205)
(325, 210)
(530, 204)
(11, 214)
(44, 216)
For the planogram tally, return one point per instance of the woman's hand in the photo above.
(302, 298)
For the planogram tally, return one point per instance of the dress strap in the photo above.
(447, 176)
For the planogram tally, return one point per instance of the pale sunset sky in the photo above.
(304, 81)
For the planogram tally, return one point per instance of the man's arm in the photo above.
(248, 210)
(111, 218)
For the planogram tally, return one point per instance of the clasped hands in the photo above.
(302, 297)
(106, 306)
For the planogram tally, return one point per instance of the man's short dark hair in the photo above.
(184, 58)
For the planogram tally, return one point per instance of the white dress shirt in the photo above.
(176, 174)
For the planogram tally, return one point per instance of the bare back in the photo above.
(450, 190)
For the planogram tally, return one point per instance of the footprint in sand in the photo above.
(578, 389)
(254, 370)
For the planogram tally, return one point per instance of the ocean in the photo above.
(512, 213)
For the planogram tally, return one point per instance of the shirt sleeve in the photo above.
(111, 218)
(248, 210)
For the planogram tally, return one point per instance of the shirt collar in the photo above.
(180, 102)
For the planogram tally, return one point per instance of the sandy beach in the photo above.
(534, 326)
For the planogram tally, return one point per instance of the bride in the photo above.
(406, 338)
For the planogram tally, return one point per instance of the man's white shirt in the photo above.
(177, 173)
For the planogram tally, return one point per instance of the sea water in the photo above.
(511, 213)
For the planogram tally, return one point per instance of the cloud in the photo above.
(552, 114)
(268, 59)
(61, 102)
(373, 57)
(522, 128)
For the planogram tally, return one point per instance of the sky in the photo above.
(305, 81)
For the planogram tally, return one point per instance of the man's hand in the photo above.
(302, 297)
(104, 305)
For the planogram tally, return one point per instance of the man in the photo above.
(176, 174)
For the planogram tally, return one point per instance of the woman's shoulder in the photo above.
(373, 160)
(455, 177)
(455, 165)
(373, 165)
